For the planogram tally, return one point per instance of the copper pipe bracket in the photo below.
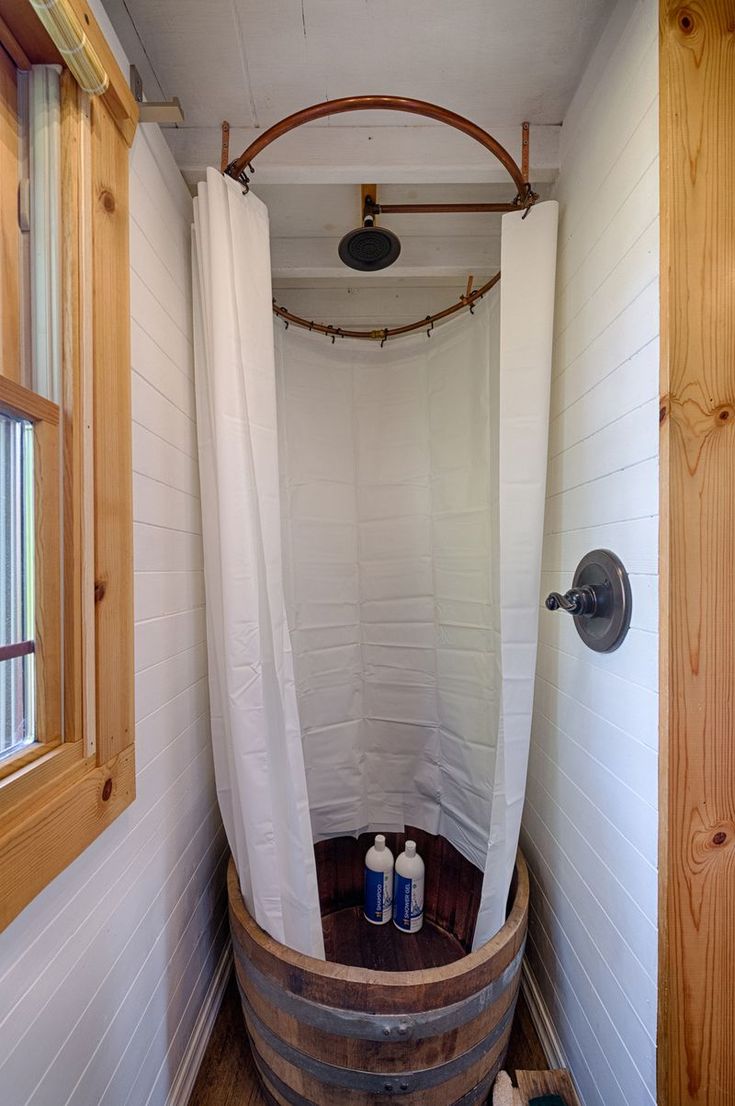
(225, 154)
(525, 149)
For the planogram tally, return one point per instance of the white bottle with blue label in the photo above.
(408, 890)
(378, 907)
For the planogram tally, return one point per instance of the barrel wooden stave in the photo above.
(330, 1041)
(311, 1089)
(300, 1013)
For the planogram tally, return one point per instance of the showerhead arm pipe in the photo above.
(524, 198)
(447, 209)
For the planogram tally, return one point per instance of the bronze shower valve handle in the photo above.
(599, 601)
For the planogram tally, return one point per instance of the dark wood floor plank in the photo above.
(350, 939)
(524, 1049)
(227, 1076)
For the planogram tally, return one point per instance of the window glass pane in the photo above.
(17, 606)
(16, 704)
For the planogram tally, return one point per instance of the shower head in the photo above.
(369, 248)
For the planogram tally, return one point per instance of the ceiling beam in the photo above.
(438, 255)
(413, 154)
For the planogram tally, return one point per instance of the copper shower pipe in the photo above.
(344, 104)
(382, 334)
(417, 209)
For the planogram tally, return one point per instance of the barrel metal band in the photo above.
(474, 1097)
(381, 1027)
(376, 1083)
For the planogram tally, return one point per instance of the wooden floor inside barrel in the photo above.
(350, 939)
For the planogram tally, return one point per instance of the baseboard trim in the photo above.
(191, 1061)
(541, 1018)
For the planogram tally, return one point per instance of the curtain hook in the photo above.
(385, 337)
(285, 323)
(311, 325)
(429, 320)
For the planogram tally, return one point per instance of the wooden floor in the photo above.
(227, 1075)
(349, 939)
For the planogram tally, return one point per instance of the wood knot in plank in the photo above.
(685, 21)
(100, 587)
(108, 201)
(724, 415)
(106, 790)
(709, 840)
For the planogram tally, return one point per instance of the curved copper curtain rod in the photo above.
(383, 333)
(381, 103)
(525, 197)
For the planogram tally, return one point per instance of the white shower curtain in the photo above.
(259, 766)
(528, 268)
(412, 491)
(413, 486)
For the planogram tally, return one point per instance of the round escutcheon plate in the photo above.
(604, 630)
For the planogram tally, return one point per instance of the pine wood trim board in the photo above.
(697, 480)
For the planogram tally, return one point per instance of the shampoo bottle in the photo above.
(378, 907)
(408, 890)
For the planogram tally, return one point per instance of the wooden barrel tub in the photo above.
(414, 1017)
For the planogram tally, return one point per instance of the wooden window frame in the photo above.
(59, 797)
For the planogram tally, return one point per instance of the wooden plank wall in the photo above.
(590, 822)
(697, 966)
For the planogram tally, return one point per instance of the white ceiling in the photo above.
(254, 61)
(499, 62)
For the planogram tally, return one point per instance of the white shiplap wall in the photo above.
(590, 822)
(103, 975)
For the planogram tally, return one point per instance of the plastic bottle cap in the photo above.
(380, 842)
(410, 848)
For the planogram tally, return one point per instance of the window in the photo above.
(66, 670)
